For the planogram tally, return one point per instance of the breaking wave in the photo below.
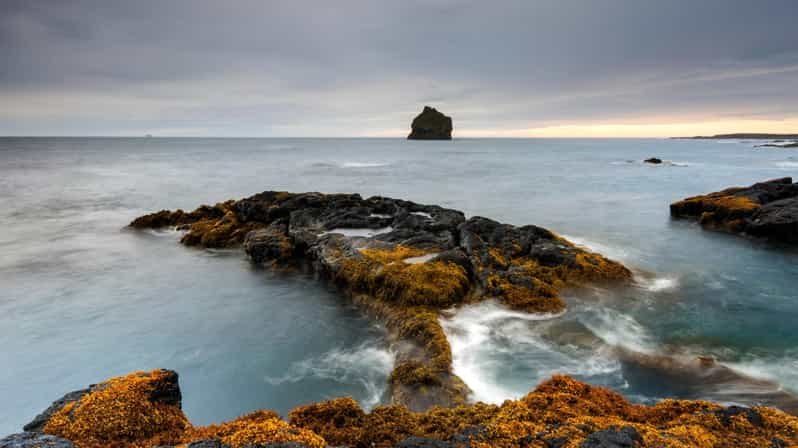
(368, 364)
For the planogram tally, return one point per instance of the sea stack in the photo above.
(431, 125)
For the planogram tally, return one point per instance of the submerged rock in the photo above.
(431, 125)
(560, 412)
(653, 160)
(402, 262)
(766, 209)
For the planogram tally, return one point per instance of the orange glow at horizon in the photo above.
(621, 129)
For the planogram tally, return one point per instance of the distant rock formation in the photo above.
(779, 145)
(767, 209)
(431, 125)
(743, 136)
(653, 160)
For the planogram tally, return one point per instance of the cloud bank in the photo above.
(364, 68)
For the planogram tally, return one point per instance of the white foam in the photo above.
(359, 232)
(786, 164)
(620, 330)
(615, 253)
(425, 215)
(380, 215)
(368, 364)
(362, 164)
(486, 336)
(782, 370)
(420, 259)
(657, 284)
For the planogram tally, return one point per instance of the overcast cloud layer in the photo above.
(340, 68)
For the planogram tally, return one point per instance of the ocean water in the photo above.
(82, 298)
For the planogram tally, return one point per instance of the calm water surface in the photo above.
(82, 299)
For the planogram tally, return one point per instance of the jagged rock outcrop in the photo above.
(560, 412)
(431, 125)
(402, 262)
(766, 209)
(143, 406)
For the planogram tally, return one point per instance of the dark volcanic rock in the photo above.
(402, 262)
(422, 442)
(38, 422)
(653, 160)
(779, 145)
(766, 209)
(34, 440)
(725, 415)
(626, 437)
(431, 125)
(207, 444)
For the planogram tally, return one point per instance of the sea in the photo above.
(83, 298)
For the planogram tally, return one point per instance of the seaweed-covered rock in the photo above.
(34, 440)
(431, 125)
(559, 412)
(402, 262)
(143, 407)
(766, 209)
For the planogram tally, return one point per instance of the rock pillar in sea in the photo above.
(431, 125)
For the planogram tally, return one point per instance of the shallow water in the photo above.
(82, 299)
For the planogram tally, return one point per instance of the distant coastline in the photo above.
(747, 136)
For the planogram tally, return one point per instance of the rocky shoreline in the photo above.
(143, 409)
(403, 263)
(766, 210)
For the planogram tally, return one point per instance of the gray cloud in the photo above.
(364, 67)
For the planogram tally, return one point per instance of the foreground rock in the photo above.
(401, 262)
(140, 407)
(766, 209)
(431, 125)
(34, 440)
(131, 411)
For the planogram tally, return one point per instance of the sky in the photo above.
(525, 68)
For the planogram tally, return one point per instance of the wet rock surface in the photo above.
(626, 437)
(34, 440)
(767, 209)
(402, 262)
(431, 125)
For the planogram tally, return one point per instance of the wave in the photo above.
(502, 354)
(787, 164)
(613, 252)
(618, 330)
(368, 364)
(782, 369)
(657, 284)
(362, 164)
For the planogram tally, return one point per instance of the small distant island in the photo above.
(778, 144)
(431, 124)
(743, 136)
